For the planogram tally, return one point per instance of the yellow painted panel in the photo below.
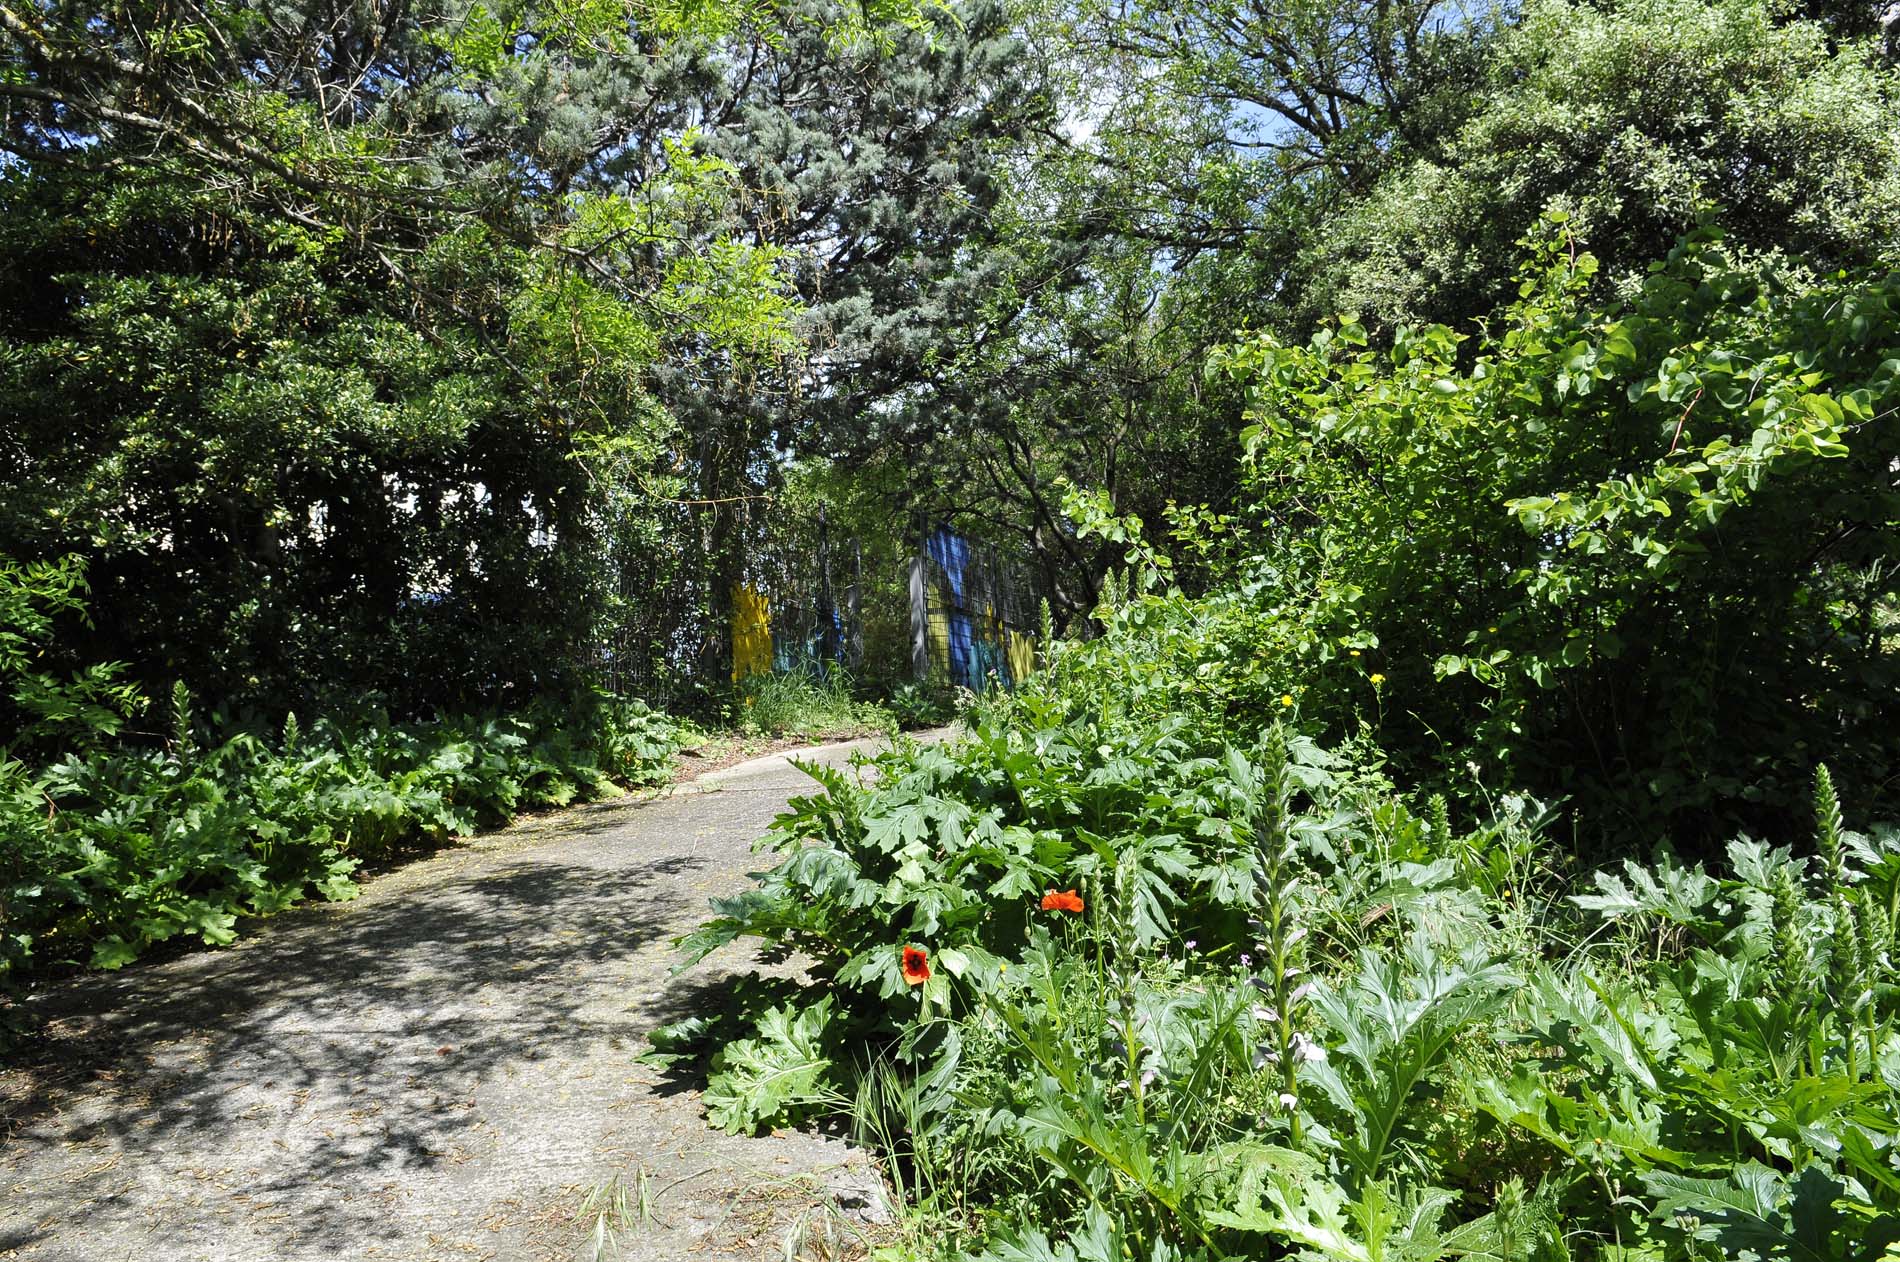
(751, 632)
(1020, 647)
(937, 628)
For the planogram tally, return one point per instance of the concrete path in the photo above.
(441, 1069)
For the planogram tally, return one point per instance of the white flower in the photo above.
(1305, 1049)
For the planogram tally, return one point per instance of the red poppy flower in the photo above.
(916, 966)
(1063, 900)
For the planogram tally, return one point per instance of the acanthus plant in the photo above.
(1744, 1089)
(1279, 937)
(1249, 1004)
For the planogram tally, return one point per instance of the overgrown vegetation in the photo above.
(1458, 445)
(1598, 542)
(415, 352)
(1128, 986)
(1237, 933)
(808, 703)
(118, 839)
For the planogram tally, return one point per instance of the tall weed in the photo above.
(807, 703)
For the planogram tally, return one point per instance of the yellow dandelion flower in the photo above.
(1377, 679)
(1286, 698)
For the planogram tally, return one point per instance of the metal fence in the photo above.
(688, 619)
(797, 607)
(973, 614)
(697, 604)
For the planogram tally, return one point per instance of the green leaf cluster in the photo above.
(115, 841)
(1382, 1036)
(1596, 543)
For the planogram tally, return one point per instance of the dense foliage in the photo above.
(358, 390)
(1637, 120)
(285, 487)
(1458, 445)
(1595, 544)
(361, 391)
(109, 846)
(1223, 167)
(1132, 988)
(1178, 952)
(417, 351)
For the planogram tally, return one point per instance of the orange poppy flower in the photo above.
(916, 966)
(1062, 900)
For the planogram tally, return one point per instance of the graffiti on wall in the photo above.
(971, 614)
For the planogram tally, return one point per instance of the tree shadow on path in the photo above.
(345, 1052)
(417, 1074)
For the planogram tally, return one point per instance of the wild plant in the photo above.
(125, 846)
(1394, 1024)
(1420, 1055)
(916, 705)
(807, 702)
(1279, 937)
(1123, 974)
(1746, 1084)
(1117, 1108)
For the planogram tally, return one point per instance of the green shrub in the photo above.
(1592, 546)
(1744, 1084)
(1294, 1015)
(637, 743)
(919, 705)
(116, 849)
(110, 845)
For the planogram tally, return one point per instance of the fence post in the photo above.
(827, 607)
(854, 616)
(919, 620)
